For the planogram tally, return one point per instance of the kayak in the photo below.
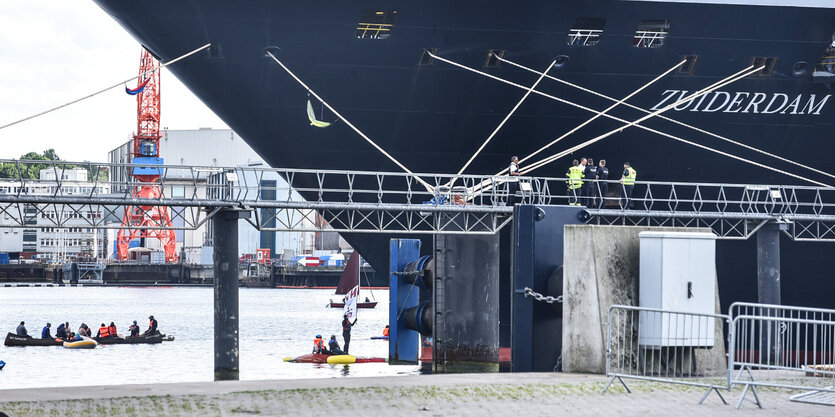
(84, 343)
(138, 340)
(15, 340)
(333, 359)
(379, 338)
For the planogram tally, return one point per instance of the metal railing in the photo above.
(784, 347)
(304, 199)
(781, 347)
(666, 346)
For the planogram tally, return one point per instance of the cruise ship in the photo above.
(429, 81)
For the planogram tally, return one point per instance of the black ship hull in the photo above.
(432, 116)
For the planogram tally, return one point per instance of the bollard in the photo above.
(225, 257)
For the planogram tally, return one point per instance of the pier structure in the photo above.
(465, 214)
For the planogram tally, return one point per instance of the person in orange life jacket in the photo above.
(319, 345)
(104, 331)
(112, 329)
(346, 331)
(134, 329)
(386, 331)
(152, 326)
(333, 345)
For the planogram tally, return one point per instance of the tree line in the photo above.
(33, 170)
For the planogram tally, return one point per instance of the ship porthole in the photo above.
(800, 68)
(561, 61)
(271, 50)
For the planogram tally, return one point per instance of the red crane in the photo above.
(142, 222)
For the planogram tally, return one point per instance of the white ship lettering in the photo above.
(745, 102)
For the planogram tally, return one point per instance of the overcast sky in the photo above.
(54, 51)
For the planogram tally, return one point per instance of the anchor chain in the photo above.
(539, 297)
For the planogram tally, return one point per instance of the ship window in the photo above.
(586, 31)
(426, 59)
(376, 24)
(651, 34)
(492, 58)
(765, 62)
(689, 65)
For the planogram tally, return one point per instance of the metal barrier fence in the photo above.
(775, 346)
(781, 347)
(666, 346)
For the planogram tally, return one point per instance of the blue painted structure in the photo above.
(147, 170)
(403, 343)
(536, 329)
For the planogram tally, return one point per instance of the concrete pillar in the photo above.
(225, 257)
(768, 264)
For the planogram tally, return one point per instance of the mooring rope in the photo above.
(564, 101)
(351, 125)
(669, 119)
(719, 84)
(507, 117)
(617, 103)
(698, 145)
(120, 83)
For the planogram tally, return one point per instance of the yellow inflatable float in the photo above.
(81, 344)
(341, 359)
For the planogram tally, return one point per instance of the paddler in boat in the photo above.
(103, 331)
(319, 345)
(61, 331)
(21, 330)
(46, 333)
(84, 330)
(152, 326)
(333, 345)
(134, 329)
(112, 329)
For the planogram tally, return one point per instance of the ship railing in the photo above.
(649, 38)
(664, 346)
(584, 37)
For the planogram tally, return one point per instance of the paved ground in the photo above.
(419, 395)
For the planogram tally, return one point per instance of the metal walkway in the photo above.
(380, 202)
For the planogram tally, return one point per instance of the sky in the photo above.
(55, 51)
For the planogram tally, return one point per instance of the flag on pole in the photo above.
(350, 308)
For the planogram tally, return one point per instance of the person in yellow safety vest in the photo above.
(575, 183)
(627, 181)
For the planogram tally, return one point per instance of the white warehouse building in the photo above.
(215, 148)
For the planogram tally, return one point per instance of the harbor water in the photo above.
(274, 324)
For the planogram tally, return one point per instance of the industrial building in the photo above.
(41, 240)
(208, 148)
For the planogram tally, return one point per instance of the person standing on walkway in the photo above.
(603, 186)
(627, 181)
(513, 184)
(346, 331)
(589, 185)
(574, 183)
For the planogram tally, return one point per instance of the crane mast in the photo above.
(147, 222)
